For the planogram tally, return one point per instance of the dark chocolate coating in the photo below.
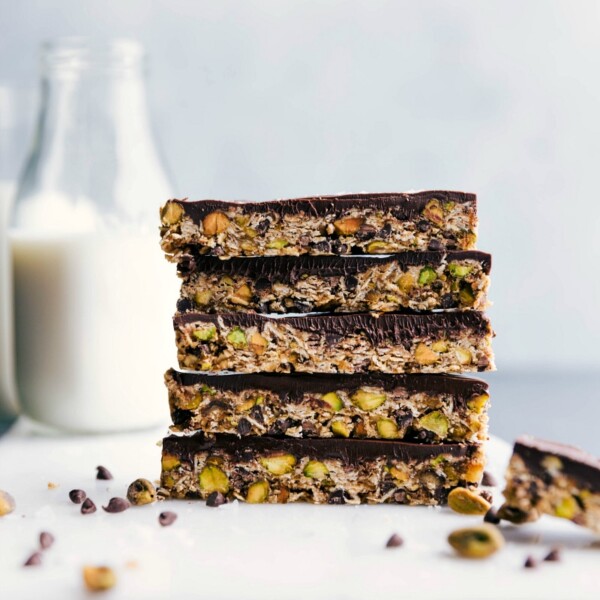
(295, 385)
(291, 268)
(389, 327)
(577, 464)
(349, 451)
(404, 205)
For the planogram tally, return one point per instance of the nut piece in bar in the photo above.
(323, 225)
(455, 342)
(283, 284)
(335, 471)
(418, 408)
(554, 479)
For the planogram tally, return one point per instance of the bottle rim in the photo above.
(78, 53)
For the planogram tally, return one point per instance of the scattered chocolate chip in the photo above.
(395, 541)
(448, 301)
(491, 516)
(217, 251)
(262, 284)
(435, 245)
(324, 247)
(263, 226)
(34, 560)
(386, 231)
(244, 427)
(486, 496)
(215, 499)
(400, 497)
(77, 496)
(423, 226)
(488, 479)
(553, 555)
(338, 247)
(257, 414)
(167, 518)
(512, 514)
(530, 563)
(337, 497)
(116, 505)
(46, 540)
(103, 473)
(351, 282)
(88, 507)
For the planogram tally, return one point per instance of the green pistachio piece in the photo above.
(339, 428)
(334, 401)
(367, 400)
(258, 492)
(466, 502)
(466, 295)
(213, 479)
(170, 462)
(278, 244)
(459, 271)
(188, 402)
(476, 542)
(427, 276)
(202, 297)
(387, 429)
(205, 334)
(316, 470)
(477, 403)
(237, 338)
(436, 422)
(171, 213)
(567, 508)
(278, 464)
(378, 247)
(7, 503)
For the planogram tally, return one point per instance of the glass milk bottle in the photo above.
(93, 294)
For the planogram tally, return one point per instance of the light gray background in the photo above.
(277, 98)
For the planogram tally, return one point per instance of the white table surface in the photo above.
(242, 552)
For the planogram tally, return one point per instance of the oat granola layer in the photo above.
(279, 470)
(347, 224)
(418, 408)
(284, 284)
(452, 342)
(553, 479)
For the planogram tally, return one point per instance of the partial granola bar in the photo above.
(451, 342)
(346, 224)
(554, 479)
(279, 470)
(284, 284)
(417, 408)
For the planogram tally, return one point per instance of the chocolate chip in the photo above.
(88, 507)
(215, 499)
(423, 226)
(395, 541)
(486, 496)
(400, 497)
(46, 540)
(530, 563)
(217, 251)
(280, 427)
(338, 247)
(263, 226)
(435, 245)
(34, 560)
(309, 429)
(77, 496)
(351, 283)
(116, 505)
(448, 301)
(304, 240)
(302, 307)
(491, 516)
(337, 497)
(323, 246)
(553, 555)
(103, 473)
(244, 427)
(386, 231)
(256, 414)
(167, 518)
(366, 232)
(386, 486)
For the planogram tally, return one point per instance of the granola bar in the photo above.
(554, 479)
(452, 342)
(283, 284)
(346, 224)
(418, 408)
(279, 470)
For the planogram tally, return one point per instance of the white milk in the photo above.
(93, 326)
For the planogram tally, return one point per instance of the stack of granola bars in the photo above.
(319, 342)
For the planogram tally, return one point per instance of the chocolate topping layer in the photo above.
(404, 205)
(389, 327)
(347, 450)
(291, 268)
(578, 464)
(294, 385)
